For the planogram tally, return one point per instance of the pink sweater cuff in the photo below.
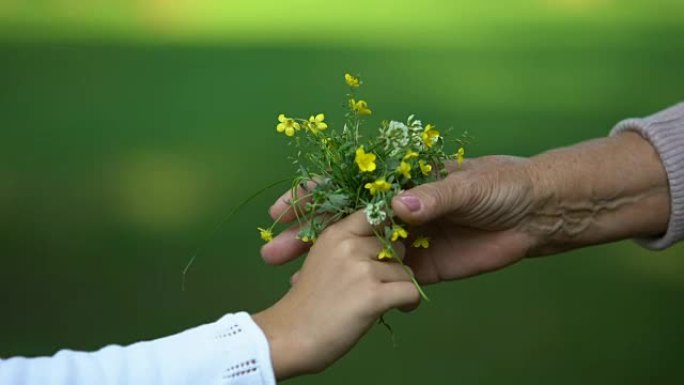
(665, 131)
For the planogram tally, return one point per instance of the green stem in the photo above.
(387, 326)
(294, 203)
(413, 279)
(406, 269)
(223, 221)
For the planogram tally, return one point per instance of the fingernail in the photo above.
(411, 202)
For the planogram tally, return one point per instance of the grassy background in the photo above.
(129, 129)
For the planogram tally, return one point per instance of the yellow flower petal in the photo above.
(385, 253)
(460, 156)
(352, 81)
(398, 232)
(380, 185)
(365, 161)
(360, 107)
(421, 242)
(429, 135)
(307, 239)
(425, 168)
(281, 127)
(266, 234)
(404, 169)
(410, 155)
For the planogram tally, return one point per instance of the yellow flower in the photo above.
(380, 185)
(360, 107)
(316, 123)
(421, 241)
(429, 135)
(410, 155)
(404, 169)
(287, 125)
(424, 167)
(385, 253)
(398, 232)
(366, 162)
(459, 156)
(352, 81)
(266, 234)
(307, 239)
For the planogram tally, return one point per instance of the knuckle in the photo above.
(348, 247)
(473, 193)
(441, 196)
(365, 271)
(332, 234)
(431, 195)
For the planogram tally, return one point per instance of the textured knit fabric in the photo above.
(665, 131)
(232, 350)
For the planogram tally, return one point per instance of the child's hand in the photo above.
(341, 290)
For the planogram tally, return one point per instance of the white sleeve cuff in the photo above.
(665, 131)
(230, 351)
(248, 357)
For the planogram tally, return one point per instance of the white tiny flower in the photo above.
(375, 213)
(396, 137)
(399, 132)
(414, 125)
(416, 139)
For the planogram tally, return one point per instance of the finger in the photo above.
(391, 272)
(284, 247)
(408, 308)
(452, 165)
(294, 278)
(422, 265)
(426, 202)
(283, 210)
(413, 306)
(399, 295)
(399, 273)
(471, 253)
(355, 224)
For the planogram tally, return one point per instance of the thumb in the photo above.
(426, 202)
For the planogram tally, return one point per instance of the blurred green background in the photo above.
(129, 129)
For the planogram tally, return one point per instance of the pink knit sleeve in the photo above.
(665, 131)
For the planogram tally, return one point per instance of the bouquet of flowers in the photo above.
(342, 171)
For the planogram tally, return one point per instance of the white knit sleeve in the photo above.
(665, 131)
(230, 351)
